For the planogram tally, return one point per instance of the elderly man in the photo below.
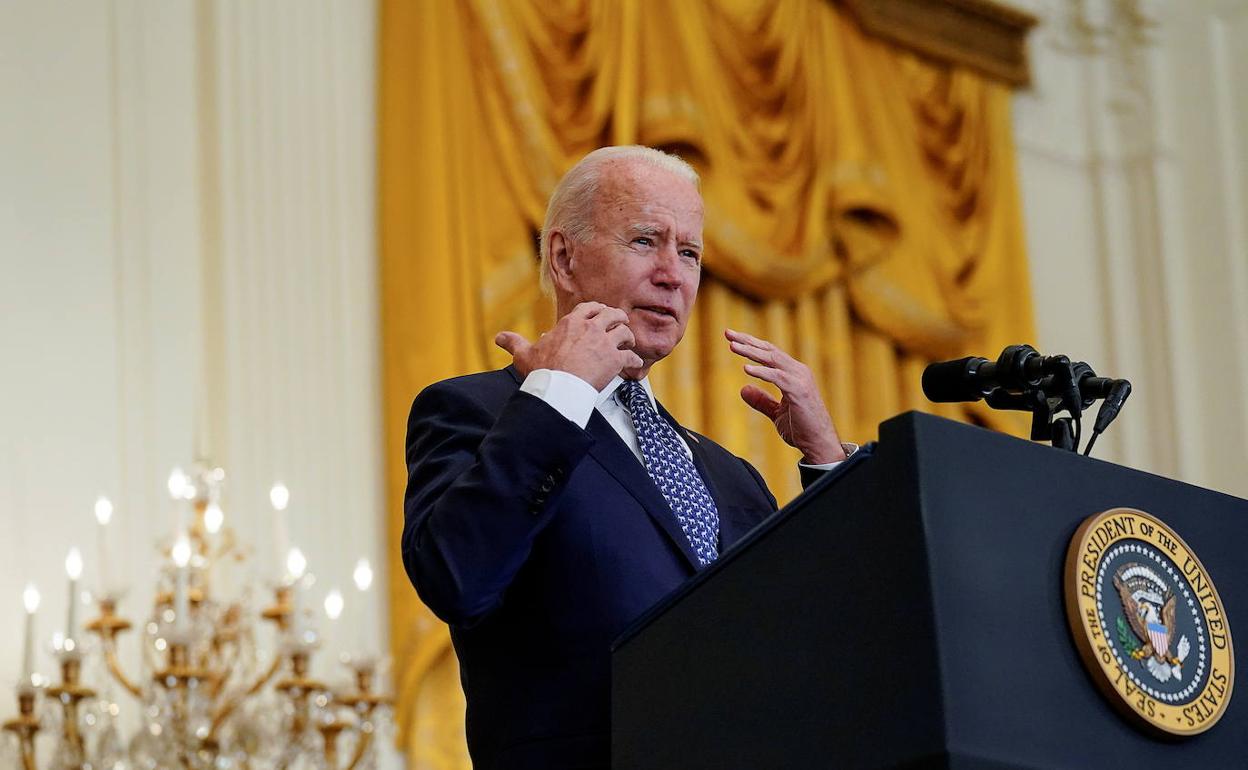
(551, 502)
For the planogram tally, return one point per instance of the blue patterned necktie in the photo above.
(673, 473)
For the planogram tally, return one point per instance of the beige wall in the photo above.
(188, 257)
(1134, 174)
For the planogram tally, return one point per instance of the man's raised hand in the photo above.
(592, 342)
(799, 416)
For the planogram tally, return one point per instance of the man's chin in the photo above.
(652, 351)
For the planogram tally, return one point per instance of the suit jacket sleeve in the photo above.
(762, 485)
(481, 486)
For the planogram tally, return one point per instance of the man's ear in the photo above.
(560, 263)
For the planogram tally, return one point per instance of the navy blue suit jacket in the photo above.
(538, 542)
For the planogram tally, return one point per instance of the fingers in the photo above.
(624, 340)
(605, 316)
(622, 336)
(761, 401)
(774, 365)
(754, 353)
(610, 317)
(760, 351)
(512, 342)
(776, 377)
(735, 336)
(587, 309)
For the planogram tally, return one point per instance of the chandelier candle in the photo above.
(333, 610)
(279, 498)
(363, 578)
(181, 558)
(30, 598)
(296, 565)
(73, 568)
(103, 515)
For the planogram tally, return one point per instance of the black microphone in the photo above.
(953, 381)
(972, 378)
(1114, 399)
(1093, 388)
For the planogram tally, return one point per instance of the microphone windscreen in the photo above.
(952, 381)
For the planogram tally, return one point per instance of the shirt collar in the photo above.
(608, 393)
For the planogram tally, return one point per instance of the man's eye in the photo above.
(644, 240)
(690, 254)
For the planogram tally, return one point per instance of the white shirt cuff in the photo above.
(849, 448)
(571, 396)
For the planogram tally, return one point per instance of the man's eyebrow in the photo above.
(644, 229)
(652, 230)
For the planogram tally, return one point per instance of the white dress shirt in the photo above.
(576, 400)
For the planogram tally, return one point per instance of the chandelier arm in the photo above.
(228, 708)
(218, 683)
(361, 748)
(114, 668)
(108, 626)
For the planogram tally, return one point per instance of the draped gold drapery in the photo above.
(861, 204)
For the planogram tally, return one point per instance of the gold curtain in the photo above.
(861, 204)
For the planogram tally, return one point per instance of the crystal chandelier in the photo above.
(208, 696)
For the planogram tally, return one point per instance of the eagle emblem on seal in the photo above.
(1149, 607)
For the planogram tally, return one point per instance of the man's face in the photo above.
(644, 256)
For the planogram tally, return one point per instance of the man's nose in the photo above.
(666, 272)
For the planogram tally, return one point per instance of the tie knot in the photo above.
(632, 395)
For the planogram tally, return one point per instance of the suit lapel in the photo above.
(614, 455)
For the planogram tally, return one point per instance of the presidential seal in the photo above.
(1148, 623)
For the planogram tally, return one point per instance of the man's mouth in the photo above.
(658, 310)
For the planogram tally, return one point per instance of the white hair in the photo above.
(571, 206)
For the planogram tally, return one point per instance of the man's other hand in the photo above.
(592, 342)
(799, 416)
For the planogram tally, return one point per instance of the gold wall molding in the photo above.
(983, 35)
